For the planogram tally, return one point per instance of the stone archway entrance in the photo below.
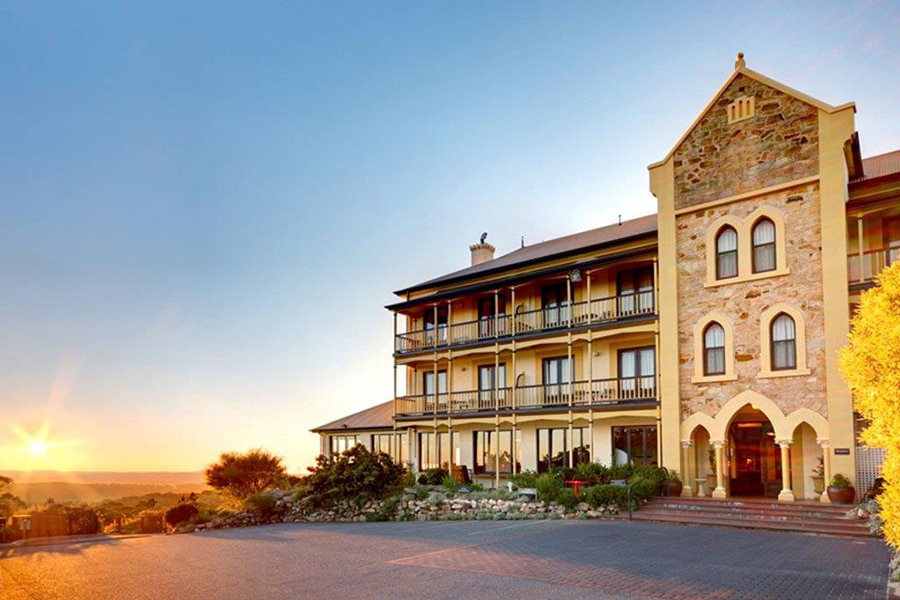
(754, 457)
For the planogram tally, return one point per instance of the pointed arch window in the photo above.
(714, 350)
(784, 343)
(726, 253)
(763, 246)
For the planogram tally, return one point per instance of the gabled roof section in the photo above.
(882, 165)
(380, 416)
(557, 247)
(740, 68)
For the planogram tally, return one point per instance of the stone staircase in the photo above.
(755, 513)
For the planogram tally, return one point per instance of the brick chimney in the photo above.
(482, 251)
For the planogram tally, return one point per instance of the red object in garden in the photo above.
(576, 484)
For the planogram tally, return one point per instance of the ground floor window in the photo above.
(634, 445)
(553, 447)
(342, 443)
(383, 442)
(401, 456)
(435, 450)
(488, 444)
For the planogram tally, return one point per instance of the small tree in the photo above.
(871, 365)
(245, 474)
(356, 475)
(9, 503)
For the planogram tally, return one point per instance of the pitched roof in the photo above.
(380, 416)
(881, 165)
(741, 69)
(551, 248)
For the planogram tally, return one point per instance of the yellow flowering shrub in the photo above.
(870, 364)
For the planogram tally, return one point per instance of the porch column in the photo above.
(720, 492)
(786, 494)
(859, 248)
(826, 462)
(571, 443)
(496, 449)
(686, 489)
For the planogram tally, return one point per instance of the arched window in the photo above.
(784, 343)
(714, 350)
(726, 253)
(763, 246)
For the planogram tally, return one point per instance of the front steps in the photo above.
(755, 513)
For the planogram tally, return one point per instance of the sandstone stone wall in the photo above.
(743, 302)
(718, 159)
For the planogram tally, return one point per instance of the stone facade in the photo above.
(778, 145)
(744, 302)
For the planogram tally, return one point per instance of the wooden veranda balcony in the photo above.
(599, 311)
(864, 267)
(601, 392)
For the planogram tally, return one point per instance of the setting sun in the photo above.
(37, 447)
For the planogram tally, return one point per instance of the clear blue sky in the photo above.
(206, 205)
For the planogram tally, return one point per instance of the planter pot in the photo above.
(841, 495)
(818, 484)
(674, 488)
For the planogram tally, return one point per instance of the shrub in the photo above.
(181, 514)
(263, 505)
(356, 475)
(526, 479)
(606, 494)
(593, 473)
(245, 474)
(551, 488)
(450, 484)
(432, 477)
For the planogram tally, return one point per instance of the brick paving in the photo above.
(526, 559)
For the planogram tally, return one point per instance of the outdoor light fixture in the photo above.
(574, 275)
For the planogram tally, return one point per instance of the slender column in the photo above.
(859, 248)
(720, 492)
(496, 447)
(515, 447)
(686, 489)
(826, 462)
(786, 494)
(571, 443)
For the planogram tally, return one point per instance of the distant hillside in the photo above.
(34, 487)
(61, 491)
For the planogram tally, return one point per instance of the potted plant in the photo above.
(818, 475)
(673, 481)
(840, 491)
(711, 481)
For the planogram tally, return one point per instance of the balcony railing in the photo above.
(864, 267)
(568, 316)
(600, 392)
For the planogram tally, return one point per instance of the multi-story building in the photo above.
(703, 338)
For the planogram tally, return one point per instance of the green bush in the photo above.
(605, 494)
(432, 477)
(356, 475)
(551, 488)
(525, 479)
(181, 514)
(262, 505)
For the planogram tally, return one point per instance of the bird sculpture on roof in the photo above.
(483, 237)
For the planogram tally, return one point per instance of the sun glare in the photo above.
(37, 447)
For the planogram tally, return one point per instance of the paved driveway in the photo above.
(512, 559)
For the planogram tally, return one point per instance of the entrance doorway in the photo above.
(755, 468)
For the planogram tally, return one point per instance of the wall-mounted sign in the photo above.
(842, 451)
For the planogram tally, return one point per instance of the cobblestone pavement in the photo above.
(532, 559)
